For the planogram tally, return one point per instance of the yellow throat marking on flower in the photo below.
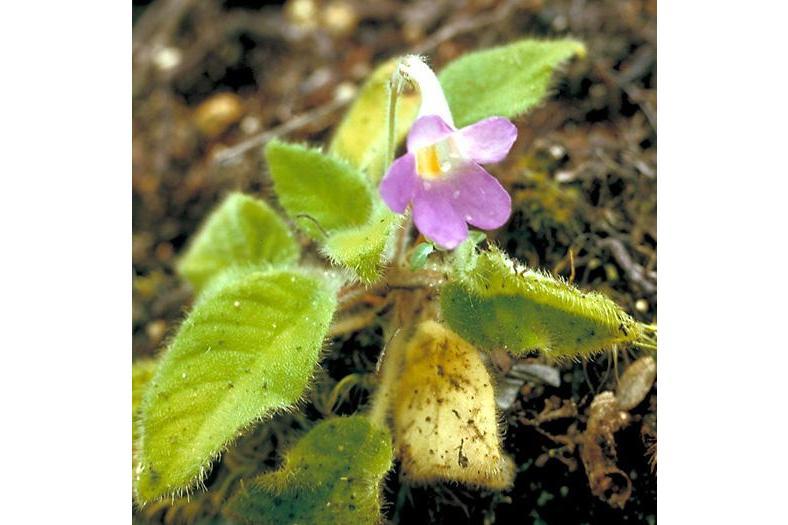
(427, 163)
(435, 160)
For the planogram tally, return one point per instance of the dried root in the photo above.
(598, 451)
(607, 415)
(648, 432)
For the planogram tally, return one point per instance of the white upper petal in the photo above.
(433, 100)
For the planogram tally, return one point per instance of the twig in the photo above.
(406, 279)
(634, 271)
(304, 119)
(352, 295)
(572, 266)
(352, 323)
(346, 382)
(466, 25)
(394, 279)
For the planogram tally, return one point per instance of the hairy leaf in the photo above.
(362, 138)
(248, 348)
(503, 81)
(502, 305)
(465, 256)
(332, 476)
(141, 372)
(421, 253)
(321, 193)
(365, 248)
(242, 230)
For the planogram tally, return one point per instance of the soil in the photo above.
(211, 75)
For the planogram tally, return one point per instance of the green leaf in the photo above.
(248, 348)
(365, 248)
(465, 256)
(502, 305)
(420, 254)
(361, 138)
(242, 230)
(320, 192)
(503, 81)
(141, 372)
(334, 204)
(332, 476)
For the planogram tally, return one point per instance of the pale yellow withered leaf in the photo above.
(445, 423)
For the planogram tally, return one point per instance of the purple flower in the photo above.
(440, 175)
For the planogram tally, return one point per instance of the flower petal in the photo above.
(426, 131)
(435, 216)
(399, 184)
(479, 198)
(433, 100)
(488, 140)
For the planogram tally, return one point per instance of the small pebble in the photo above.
(217, 113)
(250, 125)
(302, 13)
(557, 151)
(167, 58)
(340, 18)
(565, 176)
(560, 23)
(345, 91)
(156, 330)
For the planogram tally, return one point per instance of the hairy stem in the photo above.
(397, 333)
(395, 88)
(396, 278)
(391, 363)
